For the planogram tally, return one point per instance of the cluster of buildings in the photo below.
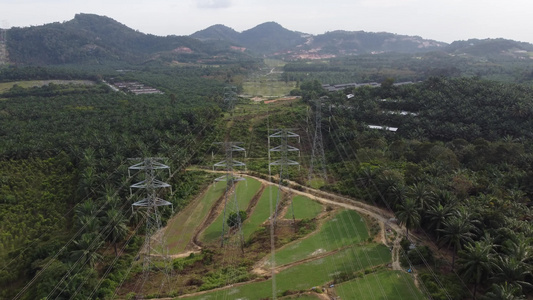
(136, 88)
(340, 87)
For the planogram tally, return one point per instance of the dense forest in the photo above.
(408, 67)
(65, 150)
(458, 170)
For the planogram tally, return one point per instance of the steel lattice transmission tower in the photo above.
(231, 206)
(154, 245)
(318, 158)
(230, 96)
(284, 162)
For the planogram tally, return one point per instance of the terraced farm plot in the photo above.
(307, 275)
(261, 211)
(181, 228)
(245, 191)
(381, 285)
(304, 208)
(345, 228)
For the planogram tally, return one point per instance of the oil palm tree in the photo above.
(477, 263)
(456, 232)
(116, 227)
(420, 193)
(438, 214)
(504, 291)
(86, 248)
(512, 270)
(407, 214)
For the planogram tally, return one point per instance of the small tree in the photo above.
(236, 219)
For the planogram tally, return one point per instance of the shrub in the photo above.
(235, 219)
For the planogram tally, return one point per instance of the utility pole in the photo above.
(284, 162)
(154, 245)
(318, 158)
(229, 163)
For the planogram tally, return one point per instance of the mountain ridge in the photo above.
(90, 38)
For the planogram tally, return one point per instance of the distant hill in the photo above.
(340, 43)
(91, 38)
(97, 39)
(217, 32)
(490, 47)
(271, 39)
(266, 39)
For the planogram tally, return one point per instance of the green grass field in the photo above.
(261, 211)
(305, 276)
(181, 228)
(381, 285)
(304, 208)
(263, 86)
(245, 191)
(345, 228)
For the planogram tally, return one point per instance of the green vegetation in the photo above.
(304, 208)
(383, 284)
(343, 229)
(181, 228)
(494, 65)
(235, 219)
(34, 198)
(245, 191)
(304, 276)
(6, 86)
(457, 171)
(261, 212)
(64, 164)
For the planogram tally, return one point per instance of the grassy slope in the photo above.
(381, 285)
(345, 228)
(181, 228)
(307, 275)
(245, 192)
(261, 211)
(304, 208)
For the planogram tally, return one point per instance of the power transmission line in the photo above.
(284, 162)
(318, 158)
(153, 220)
(231, 209)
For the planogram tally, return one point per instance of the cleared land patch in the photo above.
(343, 229)
(245, 191)
(304, 208)
(261, 212)
(181, 228)
(305, 276)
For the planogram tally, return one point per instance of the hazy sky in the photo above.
(440, 20)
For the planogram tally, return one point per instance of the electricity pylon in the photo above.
(230, 96)
(154, 245)
(284, 162)
(318, 158)
(229, 163)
